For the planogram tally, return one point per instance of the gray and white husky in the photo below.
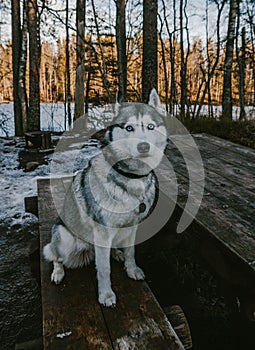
(110, 197)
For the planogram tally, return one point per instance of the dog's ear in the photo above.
(154, 99)
(119, 101)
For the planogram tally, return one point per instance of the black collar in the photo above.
(126, 174)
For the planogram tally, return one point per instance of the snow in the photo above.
(16, 183)
(52, 116)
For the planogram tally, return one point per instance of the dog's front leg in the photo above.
(133, 271)
(106, 294)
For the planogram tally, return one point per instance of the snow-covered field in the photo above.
(53, 116)
(16, 183)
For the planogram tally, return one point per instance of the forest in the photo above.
(84, 52)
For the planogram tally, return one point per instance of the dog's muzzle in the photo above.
(143, 147)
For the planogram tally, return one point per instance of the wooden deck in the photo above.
(72, 316)
(222, 232)
(224, 227)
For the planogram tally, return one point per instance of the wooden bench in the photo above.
(223, 231)
(72, 316)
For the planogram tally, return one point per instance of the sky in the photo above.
(195, 10)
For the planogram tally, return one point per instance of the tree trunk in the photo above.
(80, 58)
(121, 46)
(213, 68)
(23, 68)
(16, 46)
(33, 122)
(68, 97)
(150, 48)
(227, 84)
(183, 72)
(241, 64)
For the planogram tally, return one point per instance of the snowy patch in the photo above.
(16, 183)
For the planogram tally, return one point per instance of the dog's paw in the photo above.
(57, 276)
(107, 298)
(136, 273)
(117, 255)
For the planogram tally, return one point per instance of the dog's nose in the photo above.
(143, 147)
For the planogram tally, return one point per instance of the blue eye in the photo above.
(150, 126)
(129, 128)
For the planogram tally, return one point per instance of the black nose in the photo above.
(143, 147)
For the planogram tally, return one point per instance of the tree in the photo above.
(240, 55)
(68, 97)
(121, 46)
(16, 46)
(150, 48)
(23, 69)
(227, 84)
(33, 122)
(80, 57)
(184, 58)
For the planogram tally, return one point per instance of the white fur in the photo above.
(120, 205)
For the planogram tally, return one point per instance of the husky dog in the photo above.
(110, 197)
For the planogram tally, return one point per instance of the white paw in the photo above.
(57, 276)
(136, 273)
(107, 298)
(117, 255)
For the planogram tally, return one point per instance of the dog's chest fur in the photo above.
(112, 199)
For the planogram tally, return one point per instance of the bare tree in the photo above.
(68, 97)
(80, 58)
(121, 46)
(184, 58)
(16, 46)
(211, 71)
(150, 48)
(33, 121)
(99, 56)
(240, 55)
(23, 68)
(227, 84)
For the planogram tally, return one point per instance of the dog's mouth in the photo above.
(143, 155)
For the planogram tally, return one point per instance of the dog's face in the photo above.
(137, 137)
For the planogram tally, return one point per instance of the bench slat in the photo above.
(137, 322)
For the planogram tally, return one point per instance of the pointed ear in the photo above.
(154, 99)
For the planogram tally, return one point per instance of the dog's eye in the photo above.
(129, 128)
(150, 126)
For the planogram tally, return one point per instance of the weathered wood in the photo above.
(71, 306)
(38, 139)
(72, 316)
(31, 205)
(224, 224)
(179, 321)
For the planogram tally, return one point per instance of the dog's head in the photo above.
(137, 138)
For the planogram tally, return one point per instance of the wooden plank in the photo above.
(227, 209)
(31, 205)
(137, 322)
(72, 309)
(241, 151)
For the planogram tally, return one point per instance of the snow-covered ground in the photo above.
(16, 183)
(53, 116)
